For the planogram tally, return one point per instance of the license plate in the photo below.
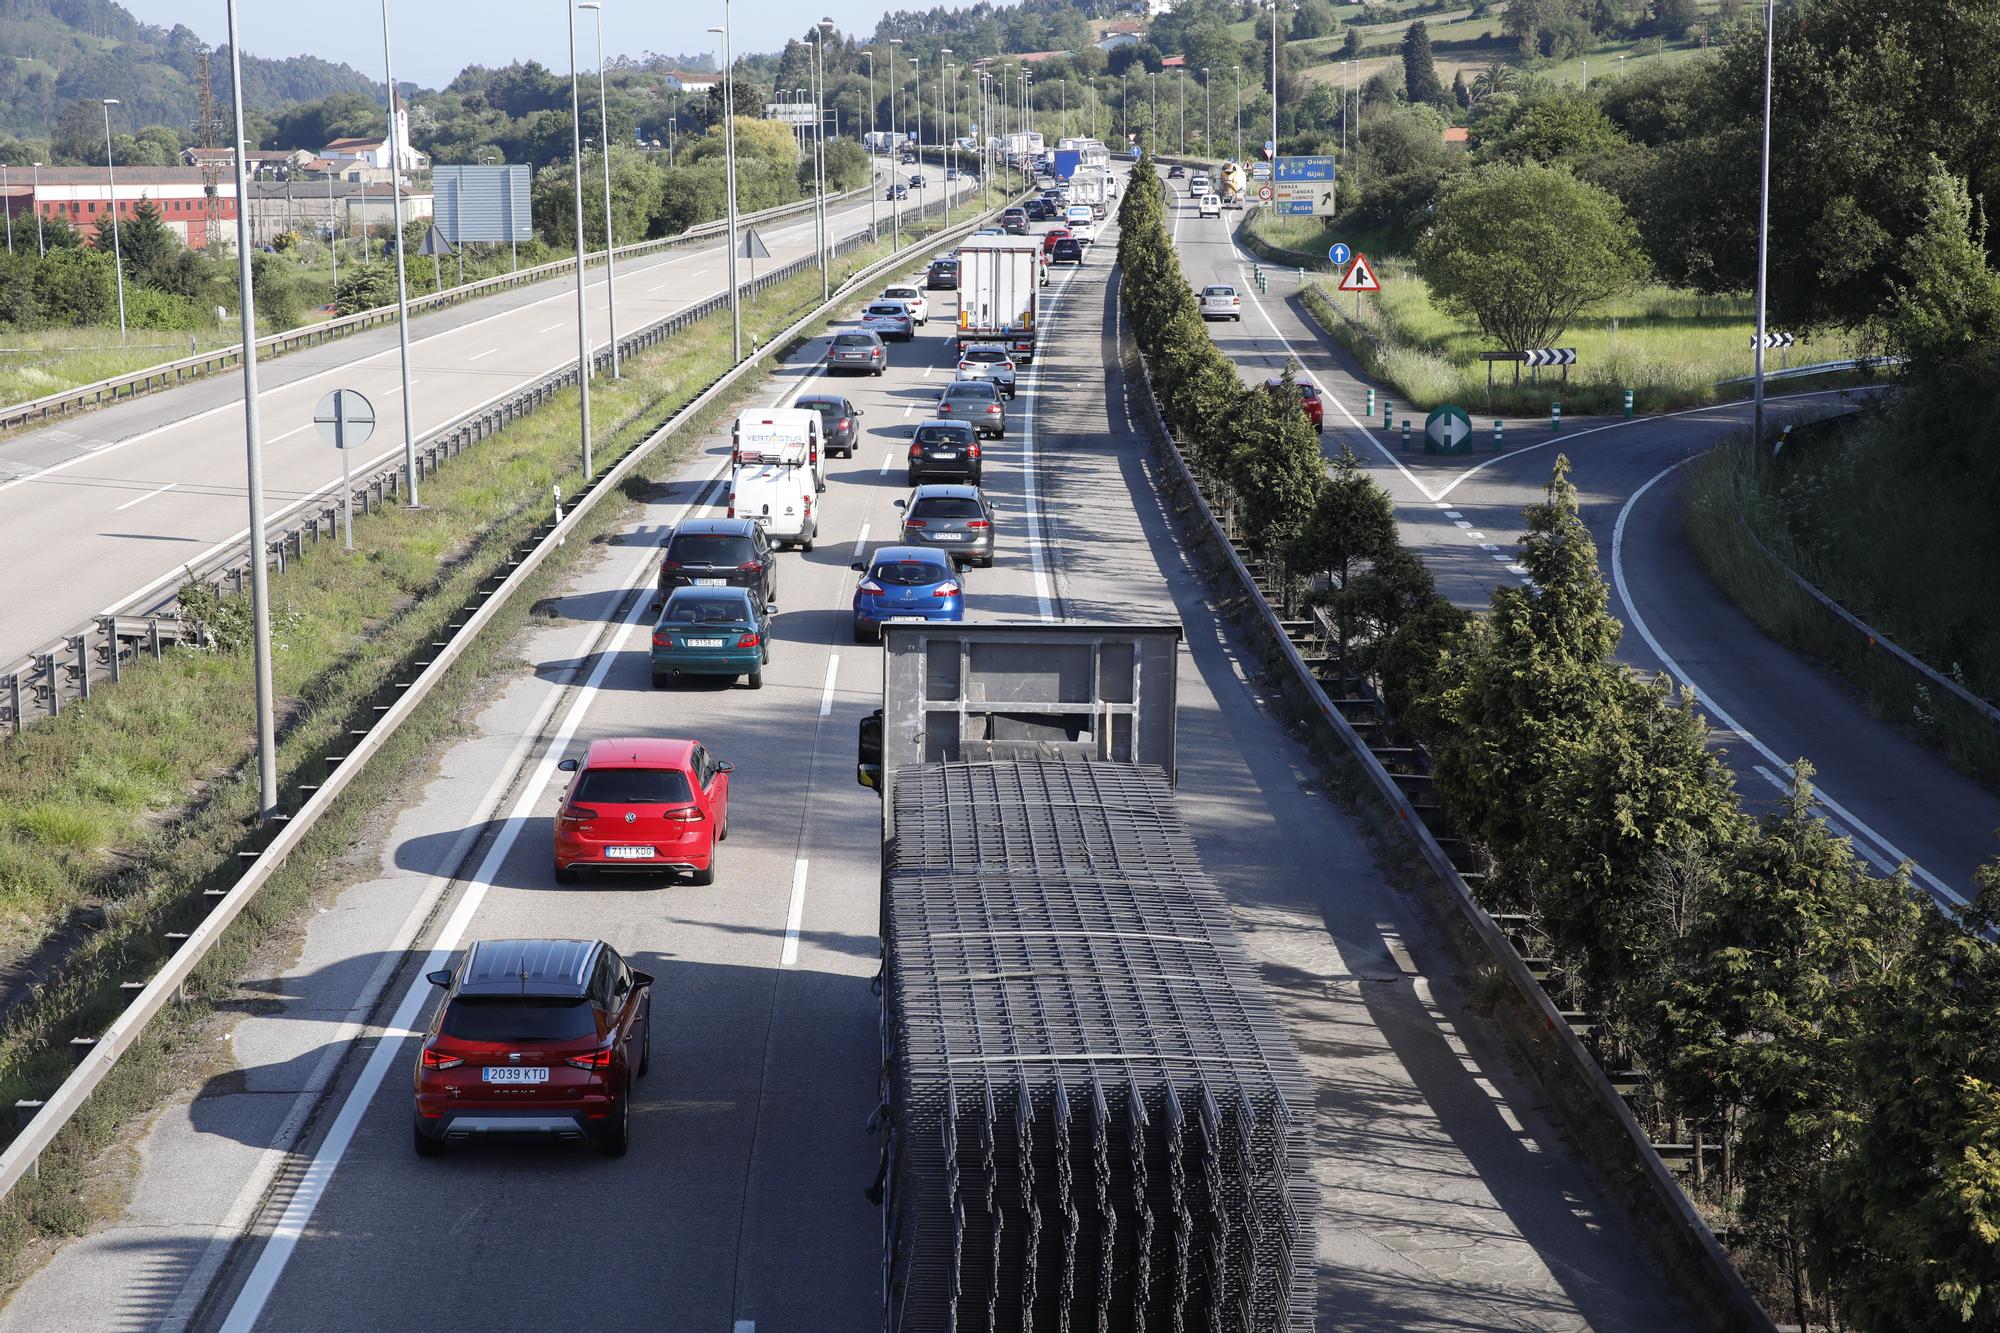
(711, 583)
(942, 456)
(948, 536)
(515, 1074)
(703, 643)
(629, 853)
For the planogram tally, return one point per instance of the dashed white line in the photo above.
(887, 459)
(789, 957)
(479, 355)
(147, 496)
(1462, 523)
(559, 324)
(826, 691)
(861, 542)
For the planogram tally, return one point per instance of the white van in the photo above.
(778, 497)
(762, 435)
(1211, 206)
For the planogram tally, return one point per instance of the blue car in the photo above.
(712, 632)
(906, 582)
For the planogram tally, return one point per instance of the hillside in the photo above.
(87, 49)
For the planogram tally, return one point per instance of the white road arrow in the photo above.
(1448, 431)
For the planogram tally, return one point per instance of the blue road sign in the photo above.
(1293, 208)
(1339, 253)
(1305, 168)
(1270, 145)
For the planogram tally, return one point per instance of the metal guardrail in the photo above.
(21, 1157)
(1744, 1311)
(1818, 368)
(170, 373)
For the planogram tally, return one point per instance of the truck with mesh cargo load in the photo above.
(1091, 1114)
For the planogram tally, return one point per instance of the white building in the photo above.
(366, 158)
(685, 81)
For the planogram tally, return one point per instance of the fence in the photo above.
(97, 1056)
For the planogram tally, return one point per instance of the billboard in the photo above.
(482, 203)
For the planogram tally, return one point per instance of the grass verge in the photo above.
(344, 629)
(1906, 552)
(35, 363)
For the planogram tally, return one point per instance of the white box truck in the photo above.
(1092, 186)
(765, 434)
(999, 292)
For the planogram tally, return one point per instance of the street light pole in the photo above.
(7, 194)
(896, 155)
(604, 141)
(944, 133)
(1207, 129)
(117, 247)
(868, 139)
(1274, 90)
(1180, 83)
(1239, 113)
(402, 279)
(576, 174)
(253, 452)
(819, 160)
(41, 246)
(1763, 226)
(729, 177)
(917, 99)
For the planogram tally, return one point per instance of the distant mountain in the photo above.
(95, 48)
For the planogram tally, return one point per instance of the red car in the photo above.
(1308, 398)
(643, 805)
(535, 1037)
(1051, 236)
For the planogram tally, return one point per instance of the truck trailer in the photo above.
(999, 292)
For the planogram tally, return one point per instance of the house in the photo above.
(1458, 136)
(1037, 57)
(1121, 34)
(278, 163)
(1174, 62)
(358, 155)
(187, 204)
(685, 81)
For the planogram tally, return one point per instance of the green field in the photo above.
(36, 363)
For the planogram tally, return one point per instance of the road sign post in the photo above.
(1371, 404)
(1360, 277)
(1628, 404)
(1499, 436)
(1448, 430)
(345, 420)
(1555, 417)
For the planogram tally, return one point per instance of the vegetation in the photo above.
(1829, 1031)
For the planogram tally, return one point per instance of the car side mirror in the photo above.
(658, 606)
(724, 766)
(441, 977)
(770, 608)
(858, 567)
(641, 979)
(567, 765)
(902, 504)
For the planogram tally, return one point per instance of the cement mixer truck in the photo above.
(1231, 183)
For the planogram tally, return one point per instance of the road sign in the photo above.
(1260, 171)
(435, 244)
(753, 245)
(1305, 168)
(1448, 430)
(1360, 277)
(1313, 197)
(1337, 253)
(1774, 340)
(1270, 148)
(1264, 193)
(346, 420)
(1550, 356)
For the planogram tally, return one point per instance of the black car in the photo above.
(840, 422)
(719, 552)
(943, 276)
(1037, 210)
(1068, 250)
(897, 192)
(947, 450)
(1174, 172)
(1015, 221)
(917, 181)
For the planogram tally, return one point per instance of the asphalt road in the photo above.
(114, 504)
(285, 1195)
(1463, 514)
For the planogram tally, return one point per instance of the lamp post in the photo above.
(117, 247)
(332, 238)
(8, 195)
(576, 184)
(729, 159)
(1239, 113)
(1274, 90)
(868, 139)
(944, 132)
(819, 151)
(1207, 130)
(673, 126)
(41, 246)
(604, 138)
(1763, 226)
(895, 157)
(917, 100)
(1180, 83)
(1621, 67)
(402, 279)
(253, 453)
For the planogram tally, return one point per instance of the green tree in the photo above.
(1524, 249)
(145, 240)
(1314, 18)
(635, 199)
(1276, 468)
(1352, 526)
(1420, 76)
(1554, 126)
(1460, 94)
(364, 287)
(1350, 46)
(76, 285)
(1947, 307)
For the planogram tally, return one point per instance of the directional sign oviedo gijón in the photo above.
(1448, 430)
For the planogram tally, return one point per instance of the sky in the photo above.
(434, 39)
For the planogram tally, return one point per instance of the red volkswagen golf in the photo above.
(643, 805)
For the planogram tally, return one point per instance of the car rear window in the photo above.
(826, 407)
(705, 610)
(989, 355)
(710, 548)
(946, 506)
(510, 1018)
(942, 434)
(969, 389)
(907, 573)
(1218, 291)
(633, 786)
(905, 293)
(894, 311)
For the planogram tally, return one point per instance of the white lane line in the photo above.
(887, 459)
(1716, 711)
(478, 355)
(789, 956)
(909, 408)
(559, 324)
(745, 1326)
(861, 542)
(318, 1173)
(1459, 522)
(826, 692)
(296, 430)
(147, 496)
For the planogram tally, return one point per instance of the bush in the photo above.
(146, 308)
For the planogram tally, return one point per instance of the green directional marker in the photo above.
(1448, 430)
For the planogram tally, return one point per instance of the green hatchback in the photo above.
(712, 632)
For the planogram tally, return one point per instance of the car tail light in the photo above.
(915, 523)
(578, 814)
(748, 641)
(752, 567)
(916, 450)
(993, 409)
(844, 424)
(670, 564)
(663, 640)
(599, 1059)
(732, 505)
(436, 1059)
(978, 523)
(973, 452)
(871, 587)
(686, 814)
(809, 507)
(945, 590)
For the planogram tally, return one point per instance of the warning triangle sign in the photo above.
(1360, 276)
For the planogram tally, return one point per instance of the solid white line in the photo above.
(147, 496)
(861, 542)
(1873, 857)
(826, 693)
(789, 956)
(296, 430)
(1715, 710)
(318, 1173)
(477, 355)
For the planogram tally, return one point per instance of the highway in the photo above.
(1768, 707)
(284, 1194)
(114, 504)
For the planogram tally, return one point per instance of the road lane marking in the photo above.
(887, 459)
(826, 692)
(861, 542)
(477, 355)
(795, 914)
(1719, 714)
(907, 409)
(559, 324)
(296, 430)
(147, 496)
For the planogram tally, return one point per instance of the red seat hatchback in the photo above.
(643, 805)
(536, 1037)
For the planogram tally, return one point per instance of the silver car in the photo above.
(1220, 301)
(957, 519)
(856, 352)
(889, 319)
(975, 402)
(990, 362)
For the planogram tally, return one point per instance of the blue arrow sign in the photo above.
(1293, 208)
(1339, 253)
(1305, 168)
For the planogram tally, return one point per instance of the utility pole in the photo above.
(402, 275)
(1763, 226)
(604, 141)
(117, 247)
(582, 320)
(868, 140)
(896, 156)
(1239, 119)
(729, 156)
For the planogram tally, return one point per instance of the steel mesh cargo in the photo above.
(1096, 1119)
